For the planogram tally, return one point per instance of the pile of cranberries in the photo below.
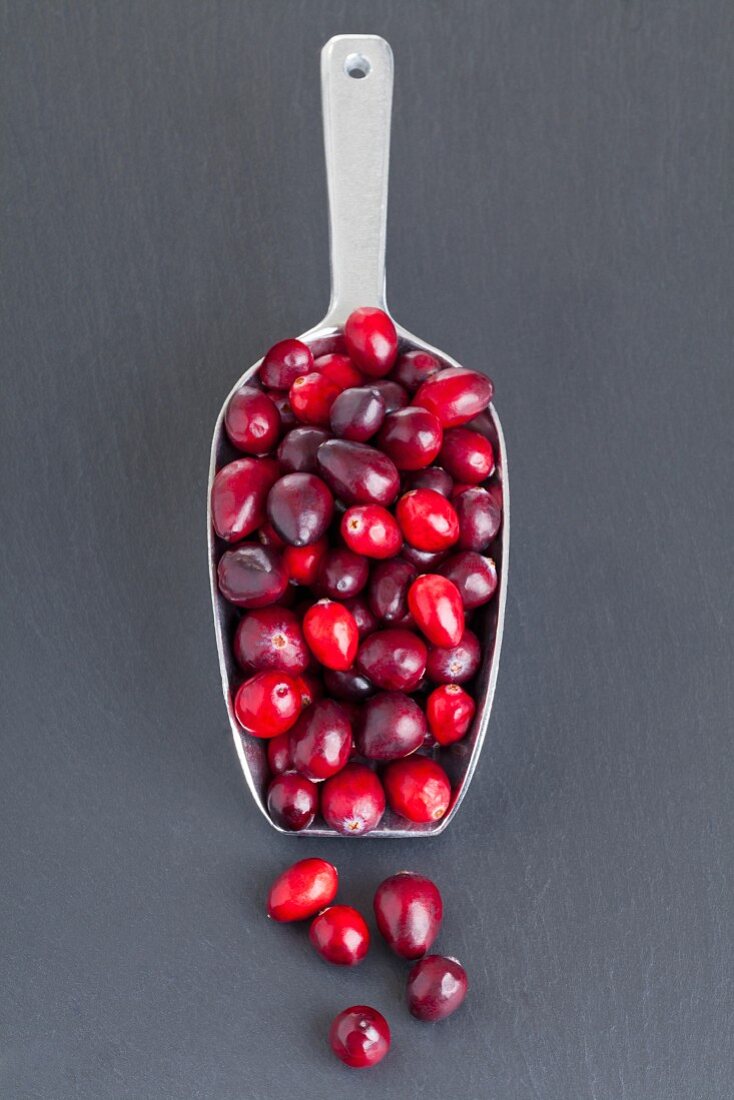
(355, 535)
(408, 911)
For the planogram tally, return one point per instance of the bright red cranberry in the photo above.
(311, 397)
(413, 368)
(268, 703)
(431, 478)
(467, 455)
(455, 395)
(435, 604)
(357, 473)
(270, 638)
(425, 561)
(332, 634)
(393, 395)
(428, 521)
(411, 437)
(286, 361)
(417, 788)
(252, 575)
(450, 710)
(357, 414)
(321, 740)
(437, 985)
(302, 890)
(372, 341)
(297, 450)
(252, 421)
(391, 725)
(239, 494)
(292, 801)
(362, 613)
(279, 754)
(304, 562)
(393, 660)
(340, 935)
(480, 515)
(388, 593)
(409, 911)
(370, 530)
(353, 800)
(339, 369)
(474, 576)
(282, 403)
(349, 685)
(455, 664)
(360, 1036)
(300, 507)
(343, 574)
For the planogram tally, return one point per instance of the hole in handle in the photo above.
(357, 66)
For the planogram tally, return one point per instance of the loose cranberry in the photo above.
(321, 740)
(357, 414)
(311, 397)
(480, 515)
(413, 368)
(467, 455)
(357, 473)
(372, 341)
(271, 638)
(304, 562)
(394, 396)
(425, 561)
(388, 593)
(292, 801)
(427, 520)
(332, 634)
(362, 613)
(286, 361)
(455, 395)
(411, 437)
(279, 754)
(252, 421)
(268, 536)
(417, 788)
(297, 450)
(252, 575)
(360, 1036)
(431, 478)
(450, 710)
(409, 911)
(474, 576)
(343, 574)
(302, 890)
(371, 530)
(393, 660)
(282, 403)
(340, 935)
(300, 507)
(455, 664)
(391, 726)
(268, 703)
(435, 604)
(340, 370)
(239, 493)
(349, 685)
(437, 985)
(353, 801)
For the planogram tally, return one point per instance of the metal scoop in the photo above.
(356, 84)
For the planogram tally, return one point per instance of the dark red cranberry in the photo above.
(300, 507)
(371, 341)
(279, 753)
(321, 740)
(349, 685)
(343, 574)
(297, 450)
(332, 634)
(271, 638)
(252, 421)
(239, 494)
(394, 396)
(428, 521)
(311, 397)
(286, 361)
(455, 395)
(340, 370)
(292, 801)
(362, 614)
(455, 664)
(302, 890)
(437, 985)
(435, 604)
(282, 403)
(480, 515)
(357, 473)
(371, 530)
(391, 725)
(411, 437)
(425, 561)
(431, 478)
(304, 562)
(417, 788)
(474, 576)
(449, 710)
(353, 801)
(357, 414)
(467, 455)
(393, 660)
(252, 575)
(388, 592)
(413, 368)
(340, 935)
(268, 703)
(360, 1036)
(409, 911)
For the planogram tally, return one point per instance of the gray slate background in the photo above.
(561, 216)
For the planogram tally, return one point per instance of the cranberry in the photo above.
(391, 725)
(455, 664)
(389, 585)
(340, 935)
(371, 530)
(252, 575)
(480, 515)
(279, 753)
(282, 403)
(340, 370)
(411, 437)
(252, 421)
(292, 801)
(297, 450)
(343, 574)
(417, 788)
(413, 368)
(393, 660)
(268, 703)
(332, 634)
(455, 395)
(239, 493)
(300, 507)
(311, 689)
(450, 710)
(360, 1036)
(437, 985)
(394, 397)
(371, 341)
(431, 478)
(321, 740)
(428, 520)
(353, 801)
(285, 362)
(357, 473)
(269, 536)
(311, 397)
(349, 685)
(362, 614)
(271, 638)
(409, 911)
(423, 560)
(304, 562)
(302, 890)
(435, 604)
(357, 414)
(467, 455)
(474, 576)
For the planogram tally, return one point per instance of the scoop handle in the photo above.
(356, 91)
